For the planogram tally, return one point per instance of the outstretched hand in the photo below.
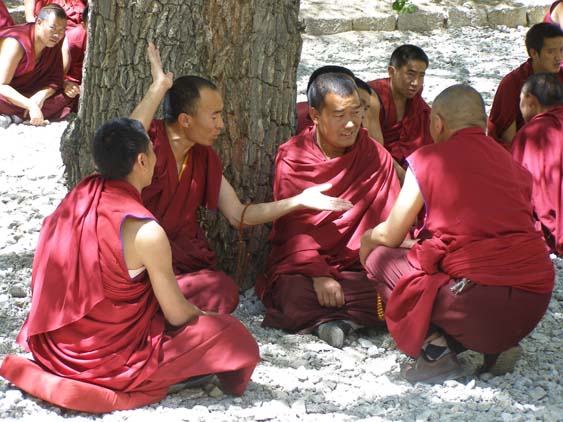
(165, 80)
(314, 199)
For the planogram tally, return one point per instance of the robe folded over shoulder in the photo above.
(547, 17)
(405, 136)
(538, 146)
(76, 40)
(324, 243)
(303, 118)
(482, 228)
(5, 17)
(72, 8)
(506, 104)
(32, 75)
(98, 334)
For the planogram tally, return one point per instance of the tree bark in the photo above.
(249, 48)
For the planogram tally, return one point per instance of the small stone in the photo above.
(471, 384)
(373, 351)
(215, 393)
(366, 344)
(537, 393)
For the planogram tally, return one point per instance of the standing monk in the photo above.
(538, 146)
(403, 113)
(31, 69)
(109, 327)
(544, 43)
(188, 175)
(480, 262)
(5, 17)
(314, 280)
(72, 8)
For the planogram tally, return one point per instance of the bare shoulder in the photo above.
(10, 46)
(143, 230)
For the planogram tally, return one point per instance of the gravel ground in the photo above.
(300, 377)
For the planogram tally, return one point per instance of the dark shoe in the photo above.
(193, 382)
(501, 363)
(333, 332)
(433, 372)
(5, 121)
(16, 119)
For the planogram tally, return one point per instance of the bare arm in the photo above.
(557, 15)
(29, 10)
(371, 119)
(161, 83)
(392, 232)
(508, 134)
(231, 207)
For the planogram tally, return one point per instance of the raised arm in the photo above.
(29, 10)
(231, 207)
(161, 82)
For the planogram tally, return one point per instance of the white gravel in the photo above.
(300, 377)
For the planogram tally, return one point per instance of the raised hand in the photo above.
(164, 80)
(313, 198)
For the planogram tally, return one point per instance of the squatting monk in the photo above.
(31, 70)
(314, 281)
(109, 326)
(72, 8)
(74, 50)
(544, 43)
(403, 113)
(480, 277)
(5, 17)
(188, 175)
(555, 13)
(538, 146)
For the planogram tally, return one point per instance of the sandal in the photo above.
(433, 372)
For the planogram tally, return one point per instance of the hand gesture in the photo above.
(163, 80)
(71, 89)
(329, 292)
(314, 199)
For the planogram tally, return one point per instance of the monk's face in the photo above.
(408, 80)
(50, 30)
(338, 123)
(205, 126)
(550, 56)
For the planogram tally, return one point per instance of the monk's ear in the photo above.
(314, 114)
(534, 54)
(391, 71)
(185, 120)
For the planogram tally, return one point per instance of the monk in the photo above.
(188, 174)
(544, 43)
(5, 17)
(73, 50)
(31, 70)
(314, 281)
(480, 261)
(109, 327)
(555, 13)
(72, 8)
(403, 113)
(538, 146)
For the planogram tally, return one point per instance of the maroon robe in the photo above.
(5, 17)
(506, 104)
(100, 334)
(175, 200)
(479, 217)
(547, 17)
(303, 118)
(310, 243)
(538, 146)
(405, 136)
(72, 8)
(32, 76)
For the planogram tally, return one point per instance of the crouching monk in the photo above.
(109, 327)
(481, 262)
(314, 281)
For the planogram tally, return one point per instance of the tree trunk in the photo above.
(249, 48)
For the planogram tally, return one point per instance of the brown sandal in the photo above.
(433, 372)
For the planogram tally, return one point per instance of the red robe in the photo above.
(72, 8)
(76, 40)
(506, 104)
(303, 118)
(403, 137)
(100, 334)
(32, 76)
(481, 226)
(547, 17)
(175, 201)
(538, 146)
(309, 243)
(5, 17)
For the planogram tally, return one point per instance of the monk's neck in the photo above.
(400, 102)
(38, 46)
(328, 151)
(179, 144)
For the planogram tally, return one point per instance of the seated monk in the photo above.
(480, 261)
(538, 146)
(403, 115)
(31, 70)
(555, 13)
(314, 281)
(5, 17)
(544, 43)
(73, 50)
(109, 326)
(72, 8)
(188, 174)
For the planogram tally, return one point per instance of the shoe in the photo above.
(333, 332)
(193, 382)
(501, 363)
(16, 119)
(433, 372)
(5, 121)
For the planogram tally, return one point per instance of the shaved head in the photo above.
(460, 106)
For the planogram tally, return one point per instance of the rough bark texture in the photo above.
(249, 48)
